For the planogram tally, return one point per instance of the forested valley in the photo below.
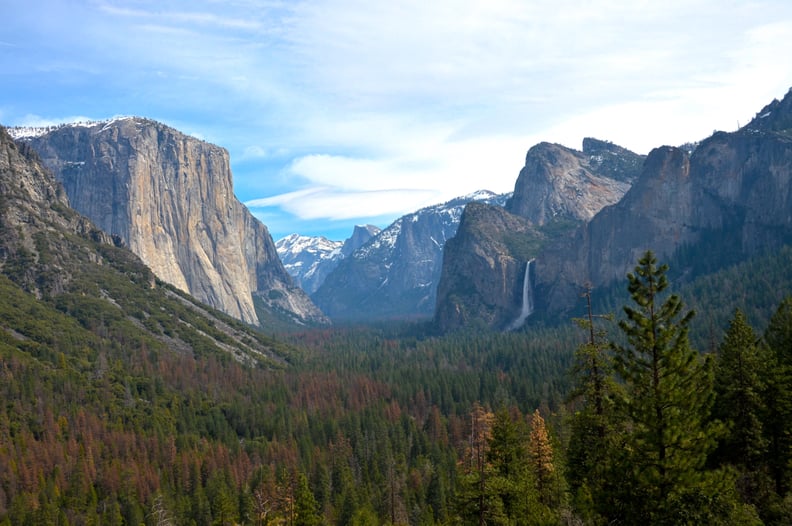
(634, 411)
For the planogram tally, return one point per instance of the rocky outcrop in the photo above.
(483, 269)
(169, 198)
(99, 294)
(559, 183)
(728, 200)
(361, 235)
(558, 189)
(310, 259)
(734, 193)
(395, 274)
(33, 209)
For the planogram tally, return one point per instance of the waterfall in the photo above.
(527, 298)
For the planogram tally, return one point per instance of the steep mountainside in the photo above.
(558, 189)
(562, 183)
(64, 281)
(729, 200)
(484, 267)
(169, 198)
(395, 274)
(732, 195)
(310, 259)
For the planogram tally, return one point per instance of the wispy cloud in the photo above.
(334, 204)
(182, 17)
(326, 102)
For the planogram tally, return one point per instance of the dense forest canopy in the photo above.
(392, 425)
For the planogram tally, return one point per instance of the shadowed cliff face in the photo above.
(35, 219)
(732, 197)
(735, 186)
(169, 197)
(558, 189)
(395, 274)
(483, 266)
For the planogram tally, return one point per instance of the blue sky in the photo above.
(342, 112)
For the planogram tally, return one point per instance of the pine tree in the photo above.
(508, 481)
(474, 502)
(740, 381)
(591, 439)
(778, 396)
(306, 508)
(540, 458)
(666, 407)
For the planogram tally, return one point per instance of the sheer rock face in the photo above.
(395, 274)
(735, 186)
(169, 197)
(559, 188)
(731, 196)
(481, 281)
(562, 183)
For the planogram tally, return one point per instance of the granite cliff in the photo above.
(395, 274)
(74, 298)
(728, 200)
(558, 189)
(731, 199)
(36, 223)
(561, 183)
(483, 265)
(169, 198)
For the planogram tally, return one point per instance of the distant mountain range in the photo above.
(394, 275)
(309, 259)
(582, 217)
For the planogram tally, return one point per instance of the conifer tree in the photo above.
(306, 508)
(666, 408)
(591, 437)
(509, 478)
(740, 381)
(475, 500)
(778, 396)
(540, 458)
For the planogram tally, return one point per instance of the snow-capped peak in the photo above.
(30, 132)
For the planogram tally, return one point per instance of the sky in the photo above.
(344, 112)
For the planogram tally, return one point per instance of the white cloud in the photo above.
(253, 152)
(346, 187)
(335, 204)
(407, 99)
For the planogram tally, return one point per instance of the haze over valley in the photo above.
(405, 263)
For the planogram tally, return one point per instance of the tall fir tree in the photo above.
(778, 417)
(476, 500)
(540, 459)
(592, 420)
(740, 381)
(667, 431)
(306, 508)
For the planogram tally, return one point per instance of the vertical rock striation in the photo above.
(169, 197)
(559, 183)
(730, 199)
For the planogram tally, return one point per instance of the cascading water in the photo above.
(527, 298)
